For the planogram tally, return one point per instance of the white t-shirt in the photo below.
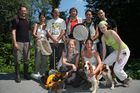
(55, 26)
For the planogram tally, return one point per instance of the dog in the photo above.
(108, 75)
(55, 82)
(88, 69)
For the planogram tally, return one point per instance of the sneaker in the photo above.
(36, 76)
(127, 81)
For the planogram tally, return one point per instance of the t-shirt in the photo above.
(22, 27)
(55, 26)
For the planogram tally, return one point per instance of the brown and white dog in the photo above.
(88, 69)
(104, 72)
(108, 75)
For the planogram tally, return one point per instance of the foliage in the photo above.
(133, 68)
(125, 13)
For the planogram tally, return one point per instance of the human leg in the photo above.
(17, 57)
(26, 55)
(119, 66)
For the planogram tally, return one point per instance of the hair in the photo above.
(54, 10)
(89, 10)
(100, 10)
(72, 40)
(21, 7)
(89, 39)
(67, 50)
(103, 23)
(42, 14)
(73, 8)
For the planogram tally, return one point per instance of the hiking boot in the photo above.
(127, 81)
(17, 72)
(17, 79)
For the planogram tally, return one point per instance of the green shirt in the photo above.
(110, 41)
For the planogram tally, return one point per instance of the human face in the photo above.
(71, 45)
(103, 28)
(89, 45)
(23, 11)
(88, 15)
(73, 13)
(101, 14)
(42, 18)
(56, 13)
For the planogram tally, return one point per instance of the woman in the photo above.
(88, 54)
(70, 60)
(40, 35)
(70, 57)
(120, 54)
(72, 21)
(88, 22)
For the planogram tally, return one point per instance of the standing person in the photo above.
(56, 30)
(112, 25)
(40, 36)
(89, 23)
(21, 42)
(111, 22)
(120, 55)
(72, 20)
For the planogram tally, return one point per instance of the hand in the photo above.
(16, 46)
(55, 41)
(91, 75)
(74, 67)
(119, 59)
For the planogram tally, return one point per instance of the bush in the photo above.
(133, 68)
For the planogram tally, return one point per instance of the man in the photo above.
(20, 37)
(111, 22)
(56, 29)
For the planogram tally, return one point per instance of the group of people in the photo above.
(55, 39)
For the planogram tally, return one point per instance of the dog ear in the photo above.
(90, 67)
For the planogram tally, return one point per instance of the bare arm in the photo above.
(64, 60)
(34, 31)
(14, 39)
(61, 35)
(96, 34)
(51, 37)
(119, 41)
(115, 29)
(99, 62)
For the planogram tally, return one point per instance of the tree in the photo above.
(125, 12)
